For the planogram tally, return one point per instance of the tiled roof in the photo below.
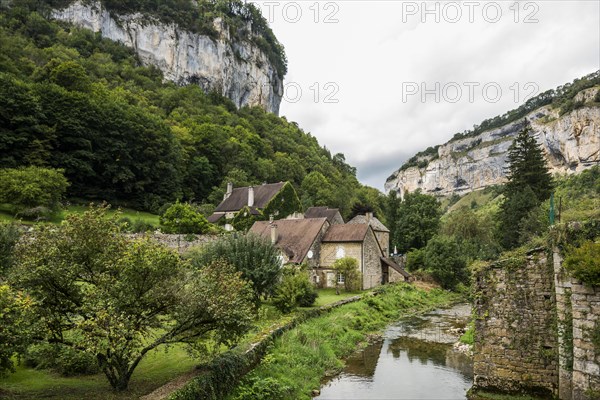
(294, 236)
(346, 233)
(374, 222)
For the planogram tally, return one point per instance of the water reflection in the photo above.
(407, 364)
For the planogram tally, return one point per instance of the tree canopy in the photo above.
(116, 298)
(70, 99)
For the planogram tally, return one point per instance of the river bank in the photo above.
(301, 357)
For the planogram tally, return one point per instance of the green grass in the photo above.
(7, 215)
(301, 357)
(328, 296)
(154, 370)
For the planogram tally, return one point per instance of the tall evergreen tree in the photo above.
(529, 184)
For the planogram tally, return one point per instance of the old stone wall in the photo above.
(372, 272)
(578, 309)
(537, 329)
(179, 242)
(515, 341)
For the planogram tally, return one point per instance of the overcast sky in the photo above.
(381, 80)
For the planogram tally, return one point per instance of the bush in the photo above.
(183, 218)
(415, 260)
(262, 389)
(294, 290)
(32, 187)
(9, 236)
(348, 267)
(445, 262)
(62, 359)
(584, 262)
(140, 226)
(256, 258)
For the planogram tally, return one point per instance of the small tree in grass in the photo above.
(347, 267)
(256, 258)
(99, 292)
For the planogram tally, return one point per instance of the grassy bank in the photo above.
(301, 357)
(155, 370)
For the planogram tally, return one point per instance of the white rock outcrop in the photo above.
(238, 70)
(571, 143)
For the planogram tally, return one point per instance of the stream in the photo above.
(414, 359)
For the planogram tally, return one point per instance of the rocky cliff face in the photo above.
(240, 71)
(571, 143)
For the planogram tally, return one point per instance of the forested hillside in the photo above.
(72, 100)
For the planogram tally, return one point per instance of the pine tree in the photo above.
(527, 167)
(529, 184)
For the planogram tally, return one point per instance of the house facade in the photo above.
(319, 242)
(242, 206)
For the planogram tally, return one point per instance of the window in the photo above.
(341, 253)
(340, 278)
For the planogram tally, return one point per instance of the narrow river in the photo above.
(414, 360)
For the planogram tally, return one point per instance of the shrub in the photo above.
(584, 262)
(62, 359)
(183, 218)
(348, 268)
(32, 187)
(256, 258)
(140, 226)
(445, 262)
(262, 389)
(415, 260)
(9, 236)
(294, 290)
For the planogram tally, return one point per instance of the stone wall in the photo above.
(178, 242)
(535, 329)
(578, 308)
(515, 348)
(372, 271)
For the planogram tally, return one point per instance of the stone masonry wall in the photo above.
(537, 329)
(515, 348)
(372, 261)
(177, 242)
(578, 308)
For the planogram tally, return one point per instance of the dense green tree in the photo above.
(417, 221)
(390, 210)
(529, 184)
(18, 325)
(316, 190)
(119, 298)
(183, 218)
(30, 187)
(474, 232)
(9, 236)
(256, 258)
(444, 260)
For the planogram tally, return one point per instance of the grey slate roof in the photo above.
(321, 212)
(294, 236)
(374, 222)
(239, 197)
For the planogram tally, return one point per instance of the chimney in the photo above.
(229, 190)
(273, 233)
(250, 196)
(369, 216)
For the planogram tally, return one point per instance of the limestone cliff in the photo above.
(238, 70)
(571, 143)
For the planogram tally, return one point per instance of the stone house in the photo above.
(319, 242)
(253, 203)
(382, 233)
(299, 239)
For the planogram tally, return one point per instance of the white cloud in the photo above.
(370, 52)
